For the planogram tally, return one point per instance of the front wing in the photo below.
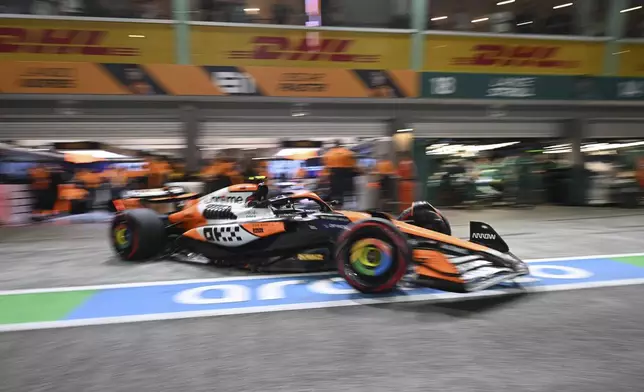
(462, 273)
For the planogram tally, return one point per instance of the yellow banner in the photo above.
(33, 77)
(631, 60)
(512, 55)
(74, 40)
(238, 46)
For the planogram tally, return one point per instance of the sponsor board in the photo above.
(95, 305)
(78, 40)
(622, 88)
(506, 86)
(298, 48)
(484, 54)
(24, 77)
(631, 60)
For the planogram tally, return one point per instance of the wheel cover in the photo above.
(371, 257)
(122, 237)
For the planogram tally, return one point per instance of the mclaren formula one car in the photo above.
(241, 226)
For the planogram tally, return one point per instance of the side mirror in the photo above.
(334, 203)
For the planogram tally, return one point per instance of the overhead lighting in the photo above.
(525, 23)
(451, 149)
(562, 6)
(101, 154)
(438, 18)
(480, 20)
(295, 151)
(505, 2)
(136, 36)
(251, 10)
(404, 130)
(639, 7)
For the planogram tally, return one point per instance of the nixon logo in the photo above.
(483, 236)
(235, 82)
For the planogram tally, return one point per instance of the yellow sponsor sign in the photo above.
(238, 46)
(30, 77)
(76, 40)
(631, 60)
(512, 55)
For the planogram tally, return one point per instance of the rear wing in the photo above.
(483, 234)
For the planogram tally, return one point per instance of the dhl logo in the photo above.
(515, 56)
(282, 48)
(59, 41)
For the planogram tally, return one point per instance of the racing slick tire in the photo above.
(137, 234)
(373, 256)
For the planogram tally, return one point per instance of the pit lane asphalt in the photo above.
(51, 255)
(588, 340)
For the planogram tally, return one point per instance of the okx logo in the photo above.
(283, 48)
(232, 81)
(515, 56)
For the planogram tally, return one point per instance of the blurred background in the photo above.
(466, 104)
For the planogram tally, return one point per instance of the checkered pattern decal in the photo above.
(223, 233)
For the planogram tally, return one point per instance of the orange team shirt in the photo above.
(385, 167)
(406, 169)
(40, 178)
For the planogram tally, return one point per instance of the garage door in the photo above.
(242, 133)
(491, 129)
(122, 134)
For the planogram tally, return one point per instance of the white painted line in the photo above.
(430, 298)
(254, 277)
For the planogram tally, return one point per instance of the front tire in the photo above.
(373, 256)
(137, 234)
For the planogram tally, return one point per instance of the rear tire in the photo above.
(137, 234)
(373, 256)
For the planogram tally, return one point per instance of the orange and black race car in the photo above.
(241, 226)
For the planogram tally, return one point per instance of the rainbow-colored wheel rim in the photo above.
(122, 236)
(371, 257)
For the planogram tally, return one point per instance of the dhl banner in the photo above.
(444, 53)
(73, 40)
(631, 60)
(23, 77)
(298, 48)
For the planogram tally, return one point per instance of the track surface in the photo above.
(587, 340)
(56, 256)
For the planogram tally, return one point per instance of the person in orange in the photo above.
(300, 173)
(233, 174)
(40, 181)
(385, 171)
(340, 162)
(117, 178)
(407, 181)
(90, 180)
